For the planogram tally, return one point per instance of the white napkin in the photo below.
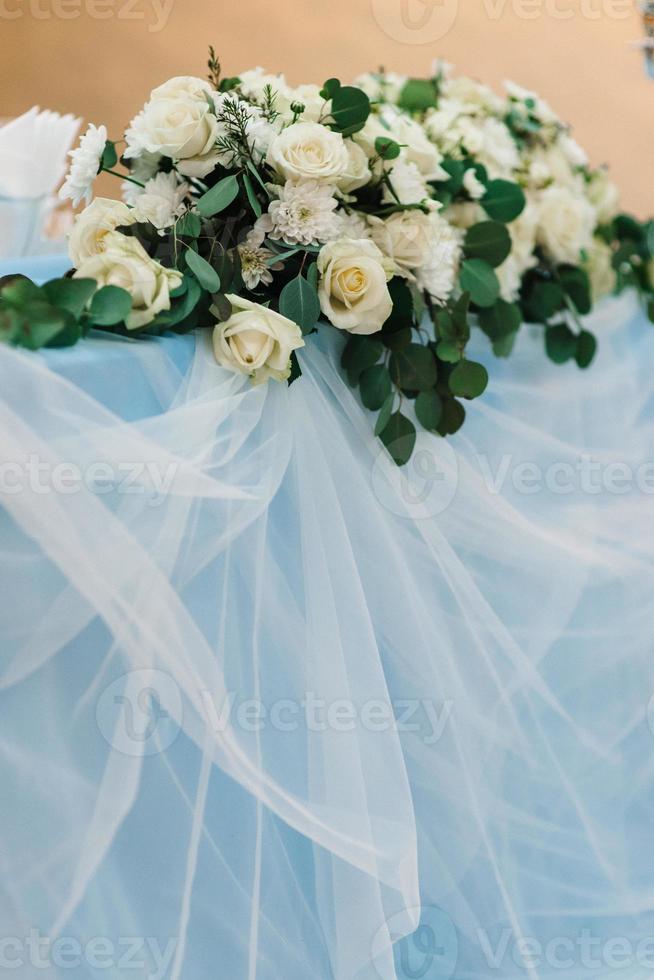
(33, 151)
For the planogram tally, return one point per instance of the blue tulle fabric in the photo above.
(275, 710)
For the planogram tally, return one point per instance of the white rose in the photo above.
(311, 99)
(353, 285)
(464, 214)
(162, 201)
(566, 221)
(604, 196)
(416, 147)
(357, 173)
(256, 341)
(309, 151)
(182, 128)
(183, 87)
(125, 263)
(404, 238)
(93, 224)
(409, 186)
(599, 266)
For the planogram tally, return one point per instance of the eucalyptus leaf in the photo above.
(504, 200)
(71, 295)
(399, 437)
(350, 109)
(586, 348)
(560, 343)
(251, 196)
(468, 379)
(487, 240)
(218, 197)
(299, 302)
(205, 274)
(429, 409)
(413, 368)
(417, 95)
(375, 386)
(477, 278)
(360, 353)
(453, 417)
(385, 413)
(109, 306)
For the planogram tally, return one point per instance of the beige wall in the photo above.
(104, 68)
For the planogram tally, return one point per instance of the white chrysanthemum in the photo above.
(255, 267)
(537, 106)
(408, 184)
(304, 214)
(143, 169)
(438, 275)
(352, 225)
(162, 201)
(84, 166)
(473, 185)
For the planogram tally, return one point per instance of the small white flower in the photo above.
(85, 165)
(437, 276)
(143, 169)
(473, 185)
(254, 261)
(162, 201)
(303, 215)
(408, 184)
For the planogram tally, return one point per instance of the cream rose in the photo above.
(309, 151)
(183, 128)
(604, 196)
(88, 234)
(404, 239)
(353, 285)
(184, 87)
(566, 222)
(125, 263)
(256, 341)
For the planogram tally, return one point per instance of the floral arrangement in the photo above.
(403, 212)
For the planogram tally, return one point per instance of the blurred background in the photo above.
(100, 58)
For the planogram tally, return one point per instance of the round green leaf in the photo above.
(576, 284)
(387, 148)
(375, 386)
(399, 437)
(468, 379)
(360, 353)
(205, 274)
(488, 240)
(586, 347)
(385, 413)
(480, 281)
(109, 306)
(413, 368)
(417, 95)
(350, 109)
(298, 301)
(454, 415)
(560, 343)
(71, 295)
(503, 200)
(429, 409)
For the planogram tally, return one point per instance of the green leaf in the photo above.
(109, 306)
(488, 240)
(189, 225)
(218, 197)
(542, 300)
(252, 197)
(387, 148)
(429, 409)
(477, 278)
(20, 290)
(576, 285)
(453, 417)
(650, 310)
(42, 323)
(503, 200)
(504, 345)
(330, 88)
(385, 414)
(360, 353)
(560, 343)
(500, 320)
(350, 109)
(375, 386)
(299, 302)
(417, 95)
(399, 437)
(468, 379)
(449, 351)
(457, 170)
(413, 368)
(109, 156)
(397, 340)
(586, 348)
(71, 295)
(401, 317)
(70, 333)
(205, 274)
(11, 324)
(180, 310)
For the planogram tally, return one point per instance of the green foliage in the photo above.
(503, 200)
(399, 437)
(488, 240)
(418, 94)
(109, 156)
(386, 148)
(298, 301)
(429, 409)
(375, 386)
(468, 379)
(360, 353)
(218, 197)
(478, 278)
(205, 274)
(413, 368)
(350, 109)
(560, 343)
(109, 306)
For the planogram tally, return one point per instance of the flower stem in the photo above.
(114, 173)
